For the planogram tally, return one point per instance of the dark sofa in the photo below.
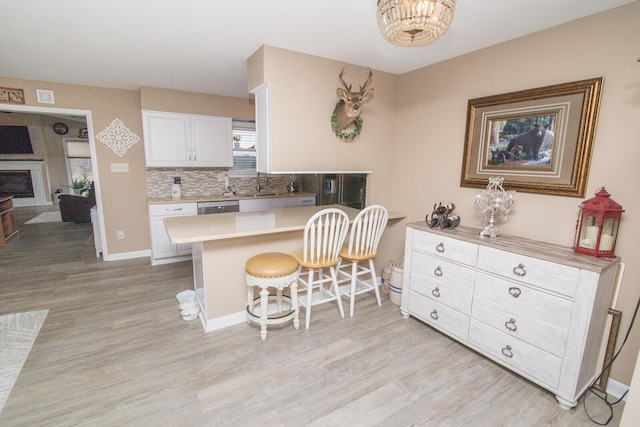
(77, 208)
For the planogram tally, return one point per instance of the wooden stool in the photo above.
(272, 270)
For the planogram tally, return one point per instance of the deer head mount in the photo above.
(349, 107)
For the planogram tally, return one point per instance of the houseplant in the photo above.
(80, 186)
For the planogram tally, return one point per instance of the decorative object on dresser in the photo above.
(597, 226)
(538, 309)
(494, 203)
(349, 107)
(440, 216)
(540, 140)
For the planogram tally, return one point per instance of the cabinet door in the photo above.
(161, 246)
(167, 139)
(263, 137)
(256, 204)
(212, 141)
(283, 202)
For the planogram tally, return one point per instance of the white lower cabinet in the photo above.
(162, 250)
(535, 308)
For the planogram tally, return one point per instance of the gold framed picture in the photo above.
(539, 140)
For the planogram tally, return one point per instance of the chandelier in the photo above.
(414, 22)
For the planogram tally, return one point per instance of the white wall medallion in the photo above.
(118, 137)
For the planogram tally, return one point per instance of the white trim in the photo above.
(224, 321)
(126, 255)
(616, 389)
(92, 147)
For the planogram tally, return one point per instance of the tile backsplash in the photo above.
(210, 181)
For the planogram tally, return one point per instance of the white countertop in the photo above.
(199, 228)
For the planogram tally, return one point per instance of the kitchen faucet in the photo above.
(258, 187)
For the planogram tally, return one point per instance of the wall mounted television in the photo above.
(15, 140)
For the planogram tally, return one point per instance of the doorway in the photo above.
(71, 115)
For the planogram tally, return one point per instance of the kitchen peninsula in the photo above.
(221, 245)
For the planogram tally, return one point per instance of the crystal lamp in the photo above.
(494, 204)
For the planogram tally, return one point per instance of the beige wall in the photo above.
(431, 119)
(175, 101)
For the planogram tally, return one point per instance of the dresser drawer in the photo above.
(438, 315)
(544, 274)
(445, 247)
(529, 360)
(533, 316)
(442, 281)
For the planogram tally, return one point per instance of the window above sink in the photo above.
(244, 149)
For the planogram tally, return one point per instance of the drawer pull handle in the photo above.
(436, 292)
(515, 291)
(173, 209)
(438, 271)
(519, 270)
(507, 351)
(440, 247)
(511, 325)
(434, 314)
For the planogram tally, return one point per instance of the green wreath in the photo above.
(339, 131)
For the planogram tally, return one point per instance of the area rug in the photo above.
(46, 217)
(18, 332)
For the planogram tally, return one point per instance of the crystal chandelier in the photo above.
(414, 22)
(494, 203)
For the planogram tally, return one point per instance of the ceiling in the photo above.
(203, 45)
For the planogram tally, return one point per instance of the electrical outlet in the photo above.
(221, 176)
(120, 234)
(119, 167)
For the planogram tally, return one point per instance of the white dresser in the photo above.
(536, 308)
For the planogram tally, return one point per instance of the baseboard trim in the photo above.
(224, 321)
(616, 389)
(126, 255)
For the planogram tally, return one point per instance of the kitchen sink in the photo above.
(264, 195)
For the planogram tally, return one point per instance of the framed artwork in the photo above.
(611, 333)
(11, 96)
(539, 140)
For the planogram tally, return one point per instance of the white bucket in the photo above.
(395, 283)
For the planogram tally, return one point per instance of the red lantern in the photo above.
(597, 228)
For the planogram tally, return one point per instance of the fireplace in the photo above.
(26, 180)
(16, 183)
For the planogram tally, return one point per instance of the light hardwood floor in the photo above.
(114, 351)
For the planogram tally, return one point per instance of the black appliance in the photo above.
(348, 189)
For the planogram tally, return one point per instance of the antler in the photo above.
(347, 88)
(362, 88)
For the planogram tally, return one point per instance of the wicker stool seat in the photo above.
(276, 271)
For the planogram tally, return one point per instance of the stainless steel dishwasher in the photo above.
(205, 208)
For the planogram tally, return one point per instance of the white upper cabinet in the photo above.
(184, 140)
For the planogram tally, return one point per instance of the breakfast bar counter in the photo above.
(221, 245)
